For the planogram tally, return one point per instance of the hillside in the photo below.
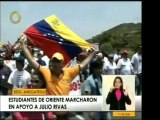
(126, 35)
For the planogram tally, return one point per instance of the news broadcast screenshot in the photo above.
(70, 60)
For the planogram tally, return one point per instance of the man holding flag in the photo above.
(57, 78)
(56, 71)
(53, 37)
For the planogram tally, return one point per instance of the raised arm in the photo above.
(85, 62)
(27, 53)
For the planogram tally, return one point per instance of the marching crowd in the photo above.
(81, 76)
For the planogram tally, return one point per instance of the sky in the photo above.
(86, 19)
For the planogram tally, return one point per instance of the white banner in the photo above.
(51, 103)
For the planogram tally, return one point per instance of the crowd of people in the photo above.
(81, 76)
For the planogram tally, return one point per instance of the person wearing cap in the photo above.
(20, 78)
(124, 66)
(98, 57)
(109, 68)
(57, 77)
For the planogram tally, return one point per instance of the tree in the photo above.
(106, 48)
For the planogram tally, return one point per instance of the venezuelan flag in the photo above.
(51, 35)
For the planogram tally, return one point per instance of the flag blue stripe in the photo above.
(71, 48)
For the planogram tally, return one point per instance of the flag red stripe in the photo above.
(49, 47)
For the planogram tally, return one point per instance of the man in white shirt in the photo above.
(137, 65)
(137, 61)
(124, 66)
(20, 78)
(109, 68)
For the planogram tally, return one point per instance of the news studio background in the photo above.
(72, 30)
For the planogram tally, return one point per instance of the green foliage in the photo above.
(106, 47)
(127, 35)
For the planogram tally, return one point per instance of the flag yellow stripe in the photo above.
(65, 32)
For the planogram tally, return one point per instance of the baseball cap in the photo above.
(58, 56)
(20, 58)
